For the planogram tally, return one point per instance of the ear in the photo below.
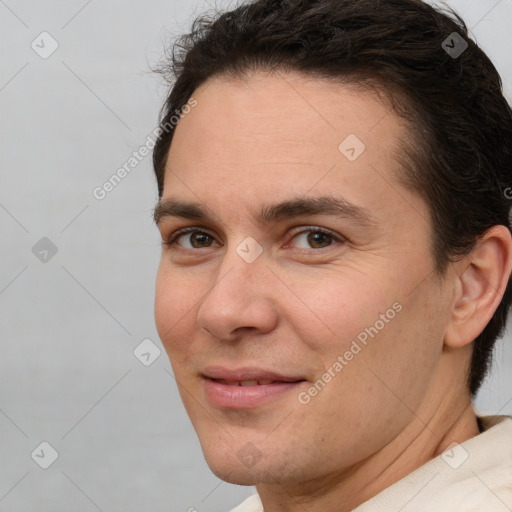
(481, 280)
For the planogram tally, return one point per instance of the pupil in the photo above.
(200, 239)
(317, 238)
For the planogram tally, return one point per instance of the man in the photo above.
(336, 254)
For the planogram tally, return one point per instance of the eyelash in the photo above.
(314, 229)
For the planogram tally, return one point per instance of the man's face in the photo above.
(339, 308)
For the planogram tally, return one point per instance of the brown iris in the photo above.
(200, 238)
(317, 239)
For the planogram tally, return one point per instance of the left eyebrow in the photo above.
(323, 205)
(289, 209)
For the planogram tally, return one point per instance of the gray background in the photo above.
(70, 324)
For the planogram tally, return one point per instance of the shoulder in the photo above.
(250, 504)
(469, 477)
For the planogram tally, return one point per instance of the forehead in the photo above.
(296, 107)
(285, 135)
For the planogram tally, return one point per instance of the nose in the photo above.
(241, 299)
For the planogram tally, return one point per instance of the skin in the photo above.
(403, 398)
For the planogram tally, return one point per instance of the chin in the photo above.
(244, 466)
(236, 475)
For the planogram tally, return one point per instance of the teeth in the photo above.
(248, 383)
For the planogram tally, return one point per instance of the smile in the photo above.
(245, 394)
(245, 388)
(262, 382)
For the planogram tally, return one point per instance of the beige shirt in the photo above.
(474, 476)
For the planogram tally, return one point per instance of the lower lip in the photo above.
(245, 397)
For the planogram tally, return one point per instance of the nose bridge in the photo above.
(243, 265)
(240, 296)
(239, 274)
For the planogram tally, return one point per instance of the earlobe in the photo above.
(479, 286)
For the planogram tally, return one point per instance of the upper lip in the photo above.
(247, 373)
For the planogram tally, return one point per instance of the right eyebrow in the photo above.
(181, 209)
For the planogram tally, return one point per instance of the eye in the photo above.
(311, 238)
(315, 238)
(191, 238)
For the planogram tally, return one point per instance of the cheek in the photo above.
(174, 301)
(393, 361)
(341, 309)
(368, 331)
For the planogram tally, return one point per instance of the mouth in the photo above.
(246, 388)
(260, 382)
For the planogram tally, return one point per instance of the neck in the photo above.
(427, 435)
